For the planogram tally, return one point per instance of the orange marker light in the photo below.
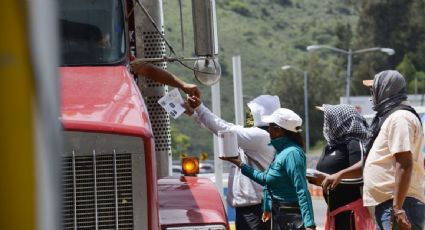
(190, 166)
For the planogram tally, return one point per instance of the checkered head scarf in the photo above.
(343, 122)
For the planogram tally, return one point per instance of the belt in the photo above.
(287, 207)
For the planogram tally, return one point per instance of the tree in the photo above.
(180, 143)
(407, 68)
(324, 88)
(391, 23)
(344, 33)
(413, 79)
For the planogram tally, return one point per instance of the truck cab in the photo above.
(109, 178)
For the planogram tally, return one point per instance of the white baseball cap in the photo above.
(261, 106)
(286, 119)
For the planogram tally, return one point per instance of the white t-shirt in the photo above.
(401, 132)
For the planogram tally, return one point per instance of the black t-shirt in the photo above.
(333, 160)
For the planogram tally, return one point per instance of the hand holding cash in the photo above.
(172, 102)
(315, 177)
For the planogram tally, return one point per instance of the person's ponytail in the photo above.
(296, 137)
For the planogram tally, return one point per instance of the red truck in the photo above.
(109, 167)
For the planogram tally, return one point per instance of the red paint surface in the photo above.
(106, 100)
(102, 99)
(177, 206)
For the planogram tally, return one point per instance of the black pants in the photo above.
(286, 216)
(249, 218)
(345, 221)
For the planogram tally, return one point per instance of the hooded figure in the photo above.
(393, 171)
(388, 90)
(254, 150)
(342, 123)
(344, 130)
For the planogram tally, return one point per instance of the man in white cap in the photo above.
(244, 194)
(393, 171)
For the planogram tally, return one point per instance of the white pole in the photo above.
(349, 63)
(47, 131)
(307, 127)
(218, 164)
(237, 88)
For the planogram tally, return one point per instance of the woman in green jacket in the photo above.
(285, 185)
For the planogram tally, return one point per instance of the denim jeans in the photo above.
(415, 211)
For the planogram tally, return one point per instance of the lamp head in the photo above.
(313, 48)
(388, 51)
(285, 67)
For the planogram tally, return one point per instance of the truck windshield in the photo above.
(92, 32)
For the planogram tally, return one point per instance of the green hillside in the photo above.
(270, 33)
(266, 34)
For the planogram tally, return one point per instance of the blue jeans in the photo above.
(415, 211)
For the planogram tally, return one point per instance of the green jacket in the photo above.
(285, 178)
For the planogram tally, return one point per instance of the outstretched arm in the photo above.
(252, 139)
(207, 118)
(158, 74)
(253, 174)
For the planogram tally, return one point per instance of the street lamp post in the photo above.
(307, 127)
(350, 54)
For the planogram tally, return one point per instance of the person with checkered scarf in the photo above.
(344, 130)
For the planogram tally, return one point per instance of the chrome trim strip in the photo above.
(74, 181)
(95, 190)
(116, 189)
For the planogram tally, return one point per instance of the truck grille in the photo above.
(97, 191)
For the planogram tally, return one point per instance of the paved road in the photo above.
(319, 209)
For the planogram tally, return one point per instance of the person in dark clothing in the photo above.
(344, 130)
(83, 42)
(80, 31)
